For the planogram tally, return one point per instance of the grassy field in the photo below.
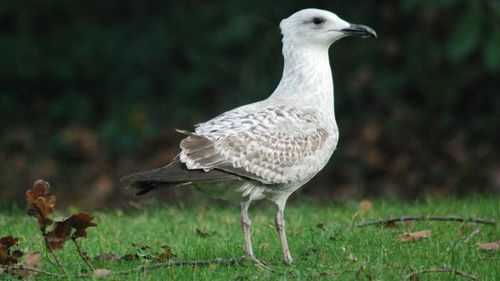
(322, 242)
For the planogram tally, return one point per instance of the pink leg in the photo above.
(280, 226)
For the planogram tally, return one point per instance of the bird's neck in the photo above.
(307, 77)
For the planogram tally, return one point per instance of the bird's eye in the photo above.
(318, 21)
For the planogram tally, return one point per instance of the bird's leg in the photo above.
(280, 226)
(245, 225)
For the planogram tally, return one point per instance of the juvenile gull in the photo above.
(267, 149)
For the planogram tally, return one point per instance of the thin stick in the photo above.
(47, 245)
(142, 268)
(449, 270)
(170, 263)
(80, 253)
(35, 270)
(426, 218)
(474, 233)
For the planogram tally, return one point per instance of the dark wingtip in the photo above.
(143, 191)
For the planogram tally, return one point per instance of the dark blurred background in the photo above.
(93, 90)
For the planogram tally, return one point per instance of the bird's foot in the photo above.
(288, 260)
(257, 262)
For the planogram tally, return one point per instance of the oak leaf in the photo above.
(59, 235)
(6, 256)
(101, 273)
(62, 231)
(32, 259)
(80, 222)
(41, 203)
(416, 235)
(491, 246)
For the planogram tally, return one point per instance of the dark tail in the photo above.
(174, 174)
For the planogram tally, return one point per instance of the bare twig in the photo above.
(142, 268)
(35, 270)
(474, 233)
(47, 245)
(445, 269)
(171, 263)
(425, 218)
(80, 253)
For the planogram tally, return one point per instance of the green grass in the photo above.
(334, 251)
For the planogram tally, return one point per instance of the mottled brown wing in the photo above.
(272, 145)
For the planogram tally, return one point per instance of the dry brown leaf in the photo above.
(6, 256)
(365, 206)
(41, 203)
(165, 256)
(62, 231)
(413, 236)
(59, 235)
(491, 246)
(101, 273)
(32, 259)
(80, 222)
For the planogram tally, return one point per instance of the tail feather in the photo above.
(173, 174)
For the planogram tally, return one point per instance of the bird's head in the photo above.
(320, 27)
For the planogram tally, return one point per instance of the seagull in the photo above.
(270, 148)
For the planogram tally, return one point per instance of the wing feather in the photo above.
(273, 145)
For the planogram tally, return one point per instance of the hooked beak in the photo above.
(359, 30)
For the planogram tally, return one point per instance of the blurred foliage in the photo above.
(88, 88)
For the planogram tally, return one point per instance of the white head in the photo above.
(320, 27)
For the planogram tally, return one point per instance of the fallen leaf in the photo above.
(8, 241)
(32, 259)
(416, 235)
(491, 246)
(365, 206)
(101, 273)
(6, 256)
(166, 255)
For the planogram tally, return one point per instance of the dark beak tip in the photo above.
(360, 30)
(371, 32)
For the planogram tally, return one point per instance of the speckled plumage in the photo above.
(268, 149)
